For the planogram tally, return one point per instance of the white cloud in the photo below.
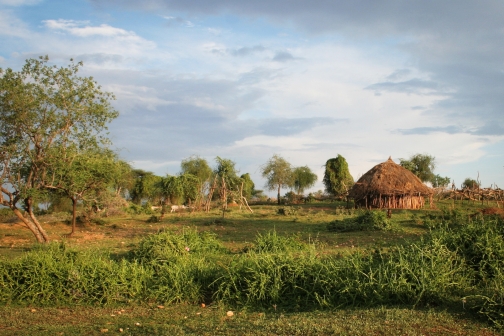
(19, 2)
(12, 26)
(83, 29)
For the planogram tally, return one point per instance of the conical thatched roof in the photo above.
(386, 179)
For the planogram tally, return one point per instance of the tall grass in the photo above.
(460, 260)
(53, 275)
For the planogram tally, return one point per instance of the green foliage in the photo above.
(278, 174)
(56, 275)
(227, 173)
(248, 186)
(302, 179)
(271, 242)
(145, 187)
(178, 189)
(470, 183)
(460, 262)
(46, 112)
(337, 178)
(196, 166)
(440, 182)
(167, 246)
(368, 221)
(422, 165)
(288, 211)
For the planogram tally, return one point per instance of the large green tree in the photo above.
(422, 165)
(43, 107)
(302, 179)
(337, 178)
(278, 174)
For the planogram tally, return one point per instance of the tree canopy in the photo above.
(337, 178)
(44, 107)
(422, 165)
(278, 174)
(470, 183)
(302, 179)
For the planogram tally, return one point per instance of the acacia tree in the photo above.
(422, 165)
(248, 189)
(80, 174)
(302, 179)
(470, 183)
(43, 107)
(145, 187)
(278, 174)
(199, 168)
(337, 178)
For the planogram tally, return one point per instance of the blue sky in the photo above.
(248, 79)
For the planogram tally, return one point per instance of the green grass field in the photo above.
(238, 232)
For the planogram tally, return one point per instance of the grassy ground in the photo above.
(194, 320)
(119, 234)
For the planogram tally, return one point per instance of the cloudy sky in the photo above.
(244, 80)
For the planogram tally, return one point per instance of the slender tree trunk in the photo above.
(278, 196)
(74, 215)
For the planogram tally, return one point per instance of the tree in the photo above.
(145, 187)
(440, 182)
(199, 168)
(302, 179)
(43, 107)
(77, 174)
(470, 183)
(226, 180)
(337, 178)
(123, 179)
(278, 174)
(248, 186)
(196, 166)
(422, 165)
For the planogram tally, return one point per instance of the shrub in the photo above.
(368, 221)
(168, 245)
(271, 242)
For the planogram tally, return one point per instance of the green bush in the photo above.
(367, 221)
(168, 245)
(271, 242)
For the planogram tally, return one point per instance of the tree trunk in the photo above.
(278, 195)
(40, 229)
(29, 225)
(74, 215)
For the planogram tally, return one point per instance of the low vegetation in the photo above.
(456, 264)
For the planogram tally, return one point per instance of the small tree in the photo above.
(145, 187)
(248, 186)
(302, 179)
(337, 178)
(440, 182)
(227, 180)
(77, 174)
(422, 165)
(199, 168)
(470, 183)
(278, 174)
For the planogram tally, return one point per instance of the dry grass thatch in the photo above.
(388, 185)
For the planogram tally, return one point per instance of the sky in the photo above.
(244, 80)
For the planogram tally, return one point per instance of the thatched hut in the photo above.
(390, 186)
